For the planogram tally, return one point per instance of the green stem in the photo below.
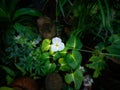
(108, 54)
(86, 51)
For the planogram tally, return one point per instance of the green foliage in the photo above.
(98, 19)
(93, 23)
(48, 68)
(74, 42)
(98, 64)
(8, 70)
(60, 6)
(46, 45)
(73, 59)
(11, 17)
(76, 77)
(37, 58)
(105, 14)
(21, 70)
(24, 30)
(12, 14)
(10, 74)
(26, 11)
(63, 65)
(114, 46)
(6, 88)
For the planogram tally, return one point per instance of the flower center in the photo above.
(56, 45)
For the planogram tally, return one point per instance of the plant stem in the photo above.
(86, 51)
(106, 54)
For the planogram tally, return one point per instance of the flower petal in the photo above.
(54, 48)
(57, 44)
(56, 40)
(61, 46)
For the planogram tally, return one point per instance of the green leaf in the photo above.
(69, 78)
(74, 42)
(48, 68)
(63, 65)
(21, 69)
(12, 6)
(114, 48)
(76, 77)
(73, 59)
(98, 64)
(61, 8)
(19, 27)
(46, 44)
(6, 88)
(3, 13)
(24, 30)
(56, 56)
(45, 56)
(96, 73)
(9, 79)
(102, 12)
(63, 52)
(59, 54)
(51, 67)
(115, 39)
(26, 11)
(8, 70)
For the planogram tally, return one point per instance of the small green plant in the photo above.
(49, 56)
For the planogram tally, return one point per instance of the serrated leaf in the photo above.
(74, 42)
(76, 77)
(46, 44)
(98, 64)
(96, 73)
(95, 58)
(73, 59)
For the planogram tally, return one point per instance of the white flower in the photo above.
(57, 44)
(88, 80)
